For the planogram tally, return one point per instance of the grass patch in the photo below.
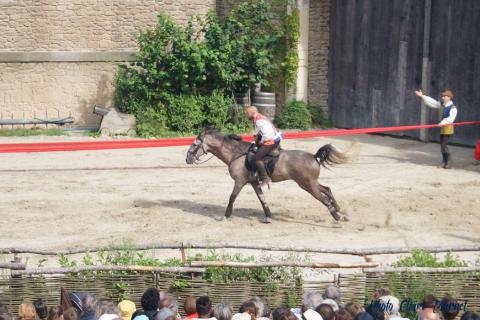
(32, 132)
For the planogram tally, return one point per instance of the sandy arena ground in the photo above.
(394, 194)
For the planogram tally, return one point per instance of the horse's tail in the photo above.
(328, 155)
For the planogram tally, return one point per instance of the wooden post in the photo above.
(301, 92)
(426, 66)
(184, 256)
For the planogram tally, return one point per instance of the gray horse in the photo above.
(300, 166)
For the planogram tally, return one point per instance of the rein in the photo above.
(221, 148)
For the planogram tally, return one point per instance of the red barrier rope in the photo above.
(173, 142)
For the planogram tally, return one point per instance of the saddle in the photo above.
(270, 160)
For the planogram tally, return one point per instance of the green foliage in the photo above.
(318, 117)
(421, 258)
(254, 37)
(32, 132)
(65, 262)
(184, 112)
(261, 274)
(184, 74)
(292, 28)
(295, 114)
(417, 284)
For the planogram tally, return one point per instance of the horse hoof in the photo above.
(335, 214)
(222, 218)
(267, 220)
(345, 218)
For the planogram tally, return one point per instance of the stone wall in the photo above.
(55, 55)
(63, 37)
(318, 42)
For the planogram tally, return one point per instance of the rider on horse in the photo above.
(267, 138)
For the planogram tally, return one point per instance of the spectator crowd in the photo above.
(156, 305)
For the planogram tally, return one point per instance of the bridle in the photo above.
(200, 145)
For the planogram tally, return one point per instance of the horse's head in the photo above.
(199, 147)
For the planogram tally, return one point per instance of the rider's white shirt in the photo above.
(266, 129)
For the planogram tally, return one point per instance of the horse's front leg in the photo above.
(261, 197)
(236, 190)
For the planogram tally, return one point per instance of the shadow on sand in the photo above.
(216, 212)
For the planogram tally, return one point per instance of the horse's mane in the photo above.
(216, 132)
(234, 137)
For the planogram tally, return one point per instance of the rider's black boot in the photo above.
(263, 175)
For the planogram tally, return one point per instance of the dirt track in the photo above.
(394, 194)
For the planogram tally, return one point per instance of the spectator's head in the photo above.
(288, 315)
(3, 308)
(163, 314)
(343, 314)
(375, 311)
(71, 314)
(381, 292)
(266, 311)
(310, 314)
(223, 311)
(26, 311)
(41, 308)
(106, 308)
(170, 302)
(55, 313)
(353, 308)
(312, 299)
(332, 304)
(204, 307)
(449, 307)
(150, 300)
(89, 303)
(326, 311)
(189, 306)
(241, 316)
(277, 313)
(390, 305)
(126, 309)
(250, 308)
(332, 292)
(429, 301)
(260, 306)
(4, 313)
(363, 316)
(469, 315)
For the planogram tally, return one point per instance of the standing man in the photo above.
(448, 113)
(267, 137)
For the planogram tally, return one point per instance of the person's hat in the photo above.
(127, 308)
(241, 316)
(447, 93)
(312, 315)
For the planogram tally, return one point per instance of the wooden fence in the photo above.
(358, 287)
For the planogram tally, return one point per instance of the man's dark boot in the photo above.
(444, 160)
(263, 175)
(447, 161)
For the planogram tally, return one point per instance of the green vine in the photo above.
(292, 35)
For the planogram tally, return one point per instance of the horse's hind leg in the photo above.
(316, 190)
(261, 197)
(326, 190)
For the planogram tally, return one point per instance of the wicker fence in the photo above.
(357, 287)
